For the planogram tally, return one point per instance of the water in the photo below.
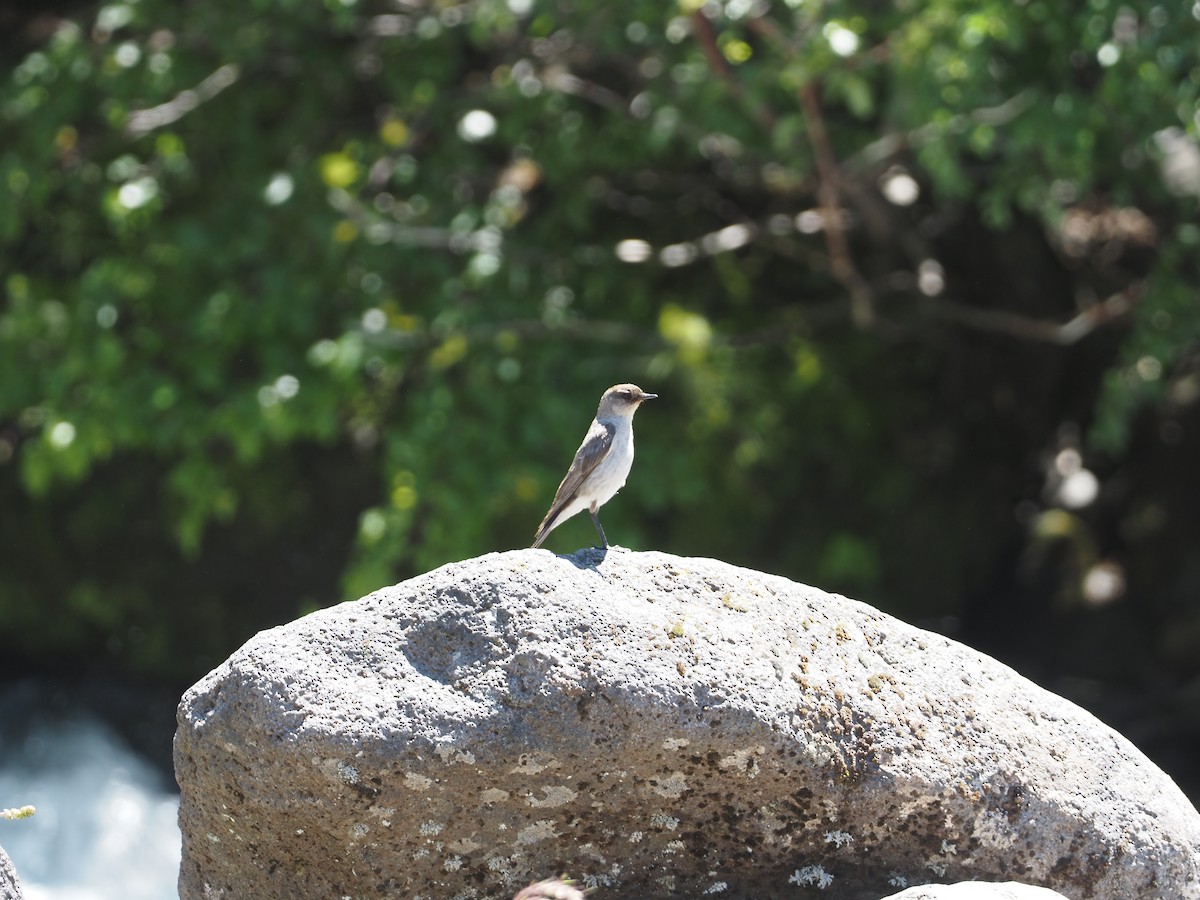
(106, 824)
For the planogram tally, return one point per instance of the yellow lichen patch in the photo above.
(878, 680)
(729, 602)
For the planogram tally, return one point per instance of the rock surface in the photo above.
(660, 726)
(977, 890)
(10, 885)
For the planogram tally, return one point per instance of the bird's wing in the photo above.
(596, 444)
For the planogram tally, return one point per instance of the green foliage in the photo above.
(422, 240)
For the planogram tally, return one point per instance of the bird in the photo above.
(601, 463)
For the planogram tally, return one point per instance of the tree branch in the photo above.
(862, 303)
(881, 149)
(143, 121)
(706, 36)
(1064, 334)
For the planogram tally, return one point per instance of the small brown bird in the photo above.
(601, 463)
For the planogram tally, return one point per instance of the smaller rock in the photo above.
(977, 890)
(10, 885)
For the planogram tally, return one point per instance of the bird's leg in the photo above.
(599, 529)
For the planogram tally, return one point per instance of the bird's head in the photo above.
(622, 400)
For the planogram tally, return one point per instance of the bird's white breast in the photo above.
(609, 475)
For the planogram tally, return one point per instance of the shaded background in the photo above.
(300, 299)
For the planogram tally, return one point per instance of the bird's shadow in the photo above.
(588, 557)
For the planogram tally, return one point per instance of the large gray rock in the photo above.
(10, 885)
(661, 726)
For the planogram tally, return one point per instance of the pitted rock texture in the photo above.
(657, 727)
(10, 885)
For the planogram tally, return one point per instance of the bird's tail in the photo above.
(541, 534)
(548, 525)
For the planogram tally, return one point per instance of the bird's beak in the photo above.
(646, 396)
